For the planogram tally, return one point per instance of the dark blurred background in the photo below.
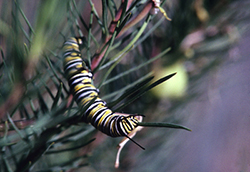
(210, 94)
(216, 105)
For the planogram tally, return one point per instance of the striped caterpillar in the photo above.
(98, 114)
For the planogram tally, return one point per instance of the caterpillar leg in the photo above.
(125, 140)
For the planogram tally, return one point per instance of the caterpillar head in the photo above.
(126, 121)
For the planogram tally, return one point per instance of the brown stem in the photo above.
(13, 99)
(98, 57)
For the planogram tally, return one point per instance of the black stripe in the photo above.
(116, 120)
(96, 102)
(97, 114)
(106, 129)
(71, 80)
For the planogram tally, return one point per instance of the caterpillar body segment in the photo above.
(114, 124)
(80, 82)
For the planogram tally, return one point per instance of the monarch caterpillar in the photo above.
(79, 78)
(98, 114)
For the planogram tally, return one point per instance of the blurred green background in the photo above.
(209, 94)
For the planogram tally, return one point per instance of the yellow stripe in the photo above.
(86, 100)
(108, 111)
(80, 86)
(84, 72)
(86, 80)
(69, 58)
(71, 72)
(74, 54)
(79, 66)
(94, 110)
(73, 39)
(72, 46)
